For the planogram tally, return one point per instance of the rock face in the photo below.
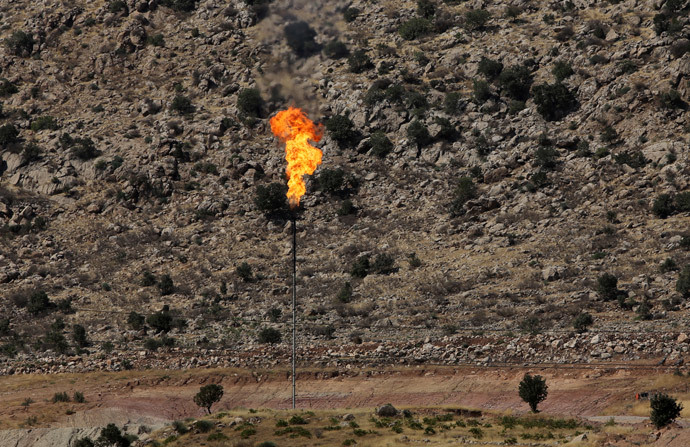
(454, 198)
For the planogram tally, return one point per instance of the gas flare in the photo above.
(294, 128)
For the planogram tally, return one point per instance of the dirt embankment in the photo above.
(141, 400)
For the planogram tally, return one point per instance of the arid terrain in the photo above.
(504, 185)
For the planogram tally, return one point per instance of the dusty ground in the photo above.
(168, 395)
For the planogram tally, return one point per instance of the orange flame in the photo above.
(294, 128)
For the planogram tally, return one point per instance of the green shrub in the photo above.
(38, 302)
(418, 134)
(331, 180)
(345, 294)
(350, 14)
(582, 322)
(533, 390)
(31, 152)
(516, 81)
(663, 206)
(671, 100)
(8, 135)
(204, 426)
(383, 264)
(180, 5)
(219, 436)
(166, 285)
(297, 420)
(111, 435)
(7, 88)
(664, 409)
(489, 68)
(346, 208)
(669, 265)
(60, 397)
(250, 103)
(244, 271)
(79, 397)
(681, 202)
(161, 321)
(360, 268)
(415, 28)
(380, 144)
(634, 159)
(269, 335)
(84, 442)
(20, 44)
(272, 198)
(426, 9)
(156, 40)
(300, 38)
(359, 62)
(464, 191)
(79, 336)
(554, 101)
(116, 6)
(481, 92)
(607, 287)
(148, 279)
(335, 49)
(84, 149)
(451, 103)
(562, 70)
(476, 19)
(683, 282)
(545, 157)
(182, 105)
(341, 129)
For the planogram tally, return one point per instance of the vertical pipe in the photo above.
(294, 299)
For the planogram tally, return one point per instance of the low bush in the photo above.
(516, 81)
(20, 44)
(359, 62)
(250, 103)
(269, 336)
(464, 191)
(335, 49)
(182, 105)
(415, 28)
(271, 198)
(489, 68)
(554, 101)
(476, 19)
(300, 38)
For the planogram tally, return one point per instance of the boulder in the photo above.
(387, 411)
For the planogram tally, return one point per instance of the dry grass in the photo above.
(439, 426)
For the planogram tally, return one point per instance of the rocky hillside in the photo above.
(492, 171)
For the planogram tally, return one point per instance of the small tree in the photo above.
(79, 336)
(533, 390)
(554, 101)
(665, 409)
(20, 44)
(208, 395)
(111, 435)
(475, 19)
(249, 102)
(136, 321)
(607, 287)
(582, 322)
